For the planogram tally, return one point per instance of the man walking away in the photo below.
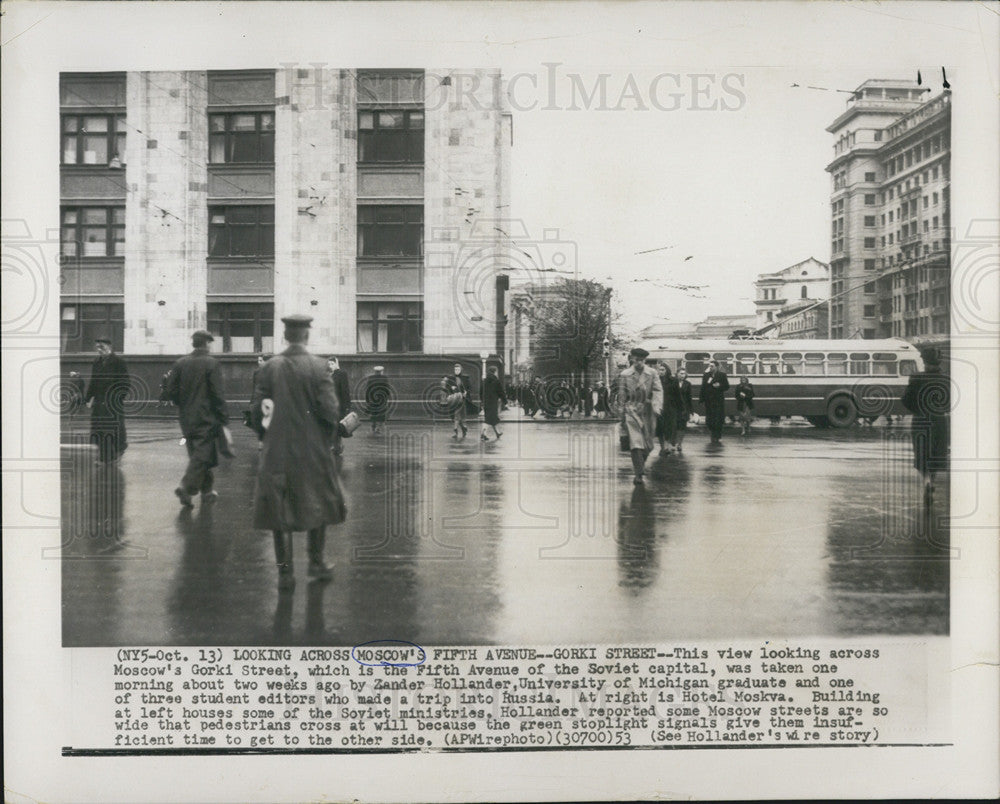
(194, 384)
(493, 397)
(378, 395)
(714, 385)
(641, 395)
(928, 398)
(342, 388)
(298, 487)
(105, 396)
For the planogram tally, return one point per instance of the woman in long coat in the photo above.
(640, 394)
(666, 422)
(493, 396)
(685, 407)
(744, 405)
(298, 488)
(105, 396)
(928, 398)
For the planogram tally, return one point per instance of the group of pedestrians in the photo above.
(557, 400)
(655, 403)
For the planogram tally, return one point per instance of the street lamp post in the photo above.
(607, 355)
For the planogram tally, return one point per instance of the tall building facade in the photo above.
(776, 293)
(225, 200)
(890, 241)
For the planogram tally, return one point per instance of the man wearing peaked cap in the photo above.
(105, 396)
(195, 385)
(298, 487)
(640, 394)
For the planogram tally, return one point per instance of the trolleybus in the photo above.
(827, 382)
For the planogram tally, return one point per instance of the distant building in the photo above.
(804, 320)
(890, 240)
(786, 289)
(723, 326)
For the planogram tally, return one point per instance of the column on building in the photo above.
(467, 199)
(314, 203)
(93, 192)
(167, 229)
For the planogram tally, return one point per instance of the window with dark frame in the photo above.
(390, 231)
(390, 326)
(93, 139)
(241, 231)
(93, 232)
(390, 135)
(242, 327)
(79, 324)
(241, 138)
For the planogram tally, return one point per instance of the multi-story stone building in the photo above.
(890, 242)
(777, 292)
(226, 200)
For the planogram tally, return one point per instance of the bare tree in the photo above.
(571, 320)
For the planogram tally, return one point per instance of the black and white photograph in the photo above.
(445, 384)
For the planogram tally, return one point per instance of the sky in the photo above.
(724, 194)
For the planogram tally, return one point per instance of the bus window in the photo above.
(725, 361)
(769, 363)
(696, 363)
(884, 363)
(859, 363)
(746, 363)
(814, 363)
(836, 363)
(791, 363)
(907, 367)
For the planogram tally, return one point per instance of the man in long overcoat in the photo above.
(298, 487)
(714, 385)
(194, 384)
(342, 388)
(928, 398)
(459, 383)
(641, 396)
(105, 396)
(493, 397)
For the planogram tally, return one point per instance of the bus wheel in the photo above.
(842, 412)
(818, 421)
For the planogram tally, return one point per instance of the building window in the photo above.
(870, 200)
(869, 177)
(869, 242)
(805, 292)
(869, 220)
(870, 264)
(93, 232)
(391, 136)
(390, 326)
(241, 137)
(868, 334)
(241, 231)
(79, 324)
(870, 288)
(390, 231)
(93, 139)
(869, 311)
(242, 326)
(878, 136)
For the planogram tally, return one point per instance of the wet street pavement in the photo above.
(540, 538)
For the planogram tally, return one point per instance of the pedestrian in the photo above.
(714, 385)
(105, 396)
(528, 402)
(685, 407)
(641, 396)
(194, 384)
(75, 392)
(378, 396)
(744, 405)
(666, 422)
(588, 399)
(602, 408)
(458, 384)
(928, 398)
(247, 414)
(493, 397)
(298, 487)
(342, 388)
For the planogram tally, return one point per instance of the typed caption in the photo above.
(401, 697)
